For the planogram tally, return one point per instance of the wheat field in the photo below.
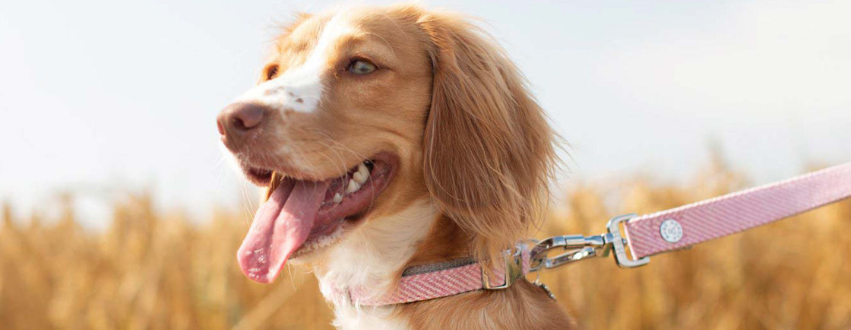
(159, 270)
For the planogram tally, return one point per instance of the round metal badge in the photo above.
(671, 230)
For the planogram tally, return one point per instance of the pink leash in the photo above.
(645, 235)
(696, 223)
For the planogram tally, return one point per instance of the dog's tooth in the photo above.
(363, 169)
(353, 186)
(359, 177)
(338, 198)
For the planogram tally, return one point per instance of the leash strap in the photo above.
(703, 221)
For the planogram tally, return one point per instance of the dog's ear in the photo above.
(488, 147)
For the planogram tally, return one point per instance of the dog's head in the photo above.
(361, 112)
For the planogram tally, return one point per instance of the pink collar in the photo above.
(646, 235)
(432, 281)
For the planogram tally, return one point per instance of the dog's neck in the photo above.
(373, 257)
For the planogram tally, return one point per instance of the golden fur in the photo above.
(468, 135)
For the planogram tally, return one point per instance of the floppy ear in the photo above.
(488, 147)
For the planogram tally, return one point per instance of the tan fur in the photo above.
(489, 152)
(468, 134)
(523, 306)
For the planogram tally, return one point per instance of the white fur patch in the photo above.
(300, 88)
(369, 258)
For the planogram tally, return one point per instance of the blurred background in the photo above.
(120, 211)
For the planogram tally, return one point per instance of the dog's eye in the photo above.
(361, 67)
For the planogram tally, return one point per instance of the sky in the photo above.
(102, 97)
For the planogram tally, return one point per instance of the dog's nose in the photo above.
(239, 118)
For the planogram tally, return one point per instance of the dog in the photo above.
(390, 137)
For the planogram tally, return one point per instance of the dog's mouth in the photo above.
(302, 215)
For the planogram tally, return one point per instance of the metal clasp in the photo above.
(619, 243)
(580, 247)
(513, 270)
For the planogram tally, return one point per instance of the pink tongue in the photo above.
(280, 227)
